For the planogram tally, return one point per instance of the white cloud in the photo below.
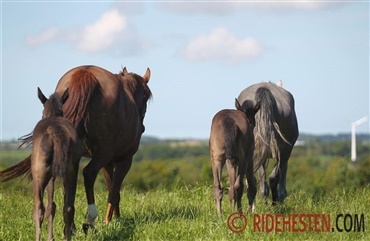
(46, 35)
(111, 33)
(226, 7)
(223, 46)
(101, 34)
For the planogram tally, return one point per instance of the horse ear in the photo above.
(41, 96)
(65, 96)
(124, 71)
(257, 107)
(146, 77)
(237, 105)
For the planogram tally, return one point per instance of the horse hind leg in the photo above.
(236, 184)
(217, 164)
(274, 181)
(51, 208)
(264, 188)
(39, 209)
(121, 169)
(69, 209)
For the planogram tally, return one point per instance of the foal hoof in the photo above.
(86, 226)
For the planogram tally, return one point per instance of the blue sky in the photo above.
(201, 55)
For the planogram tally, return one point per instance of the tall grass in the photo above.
(181, 214)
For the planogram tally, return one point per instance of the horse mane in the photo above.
(81, 88)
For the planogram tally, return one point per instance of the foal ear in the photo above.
(146, 77)
(237, 105)
(65, 96)
(257, 107)
(124, 71)
(41, 96)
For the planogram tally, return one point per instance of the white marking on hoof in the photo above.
(92, 213)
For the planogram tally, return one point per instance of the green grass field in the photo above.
(184, 214)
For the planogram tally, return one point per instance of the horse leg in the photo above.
(39, 209)
(69, 199)
(51, 207)
(121, 169)
(90, 172)
(282, 192)
(274, 181)
(264, 189)
(231, 170)
(217, 164)
(252, 186)
(108, 176)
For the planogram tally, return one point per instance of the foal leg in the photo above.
(217, 164)
(231, 169)
(252, 187)
(264, 188)
(51, 208)
(39, 209)
(121, 169)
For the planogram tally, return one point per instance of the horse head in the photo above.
(137, 86)
(248, 109)
(53, 105)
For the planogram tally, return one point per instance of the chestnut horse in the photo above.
(275, 134)
(108, 111)
(56, 153)
(232, 142)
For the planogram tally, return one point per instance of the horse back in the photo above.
(108, 119)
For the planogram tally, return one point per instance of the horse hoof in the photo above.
(86, 226)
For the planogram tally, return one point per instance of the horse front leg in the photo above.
(90, 173)
(121, 168)
(51, 208)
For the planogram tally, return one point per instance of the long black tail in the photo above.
(266, 128)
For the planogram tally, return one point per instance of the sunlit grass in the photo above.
(182, 214)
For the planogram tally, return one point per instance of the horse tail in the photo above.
(19, 169)
(266, 128)
(60, 152)
(81, 88)
(230, 132)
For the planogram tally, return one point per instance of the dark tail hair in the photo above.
(81, 87)
(19, 169)
(266, 128)
(60, 152)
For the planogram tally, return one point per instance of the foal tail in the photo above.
(230, 132)
(81, 88)
(266, 128)
(60, 152)
(22, 168)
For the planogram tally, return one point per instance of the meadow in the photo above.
(167, 195)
